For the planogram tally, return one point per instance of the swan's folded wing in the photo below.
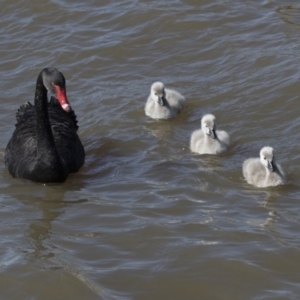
(254, 172)
(175, 99)
(196, 140)
(223, 137)
(24, 112)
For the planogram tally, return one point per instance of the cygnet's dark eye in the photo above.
(264, 158)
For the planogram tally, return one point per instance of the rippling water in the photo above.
(144, 218)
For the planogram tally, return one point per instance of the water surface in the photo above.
(144, 218)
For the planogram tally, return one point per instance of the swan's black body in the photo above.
(45, 146)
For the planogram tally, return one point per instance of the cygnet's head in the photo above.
(158, 93)
(209, 126)
(267, 158)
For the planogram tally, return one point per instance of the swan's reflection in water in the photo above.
(41, 248)
(51, 201)
(290, 14)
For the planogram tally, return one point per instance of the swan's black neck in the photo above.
(43, 128)
(46, 149)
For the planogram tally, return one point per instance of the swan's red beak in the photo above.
(61, 95)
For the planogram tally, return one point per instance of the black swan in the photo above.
(45, 146)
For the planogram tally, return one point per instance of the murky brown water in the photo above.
(145, 218)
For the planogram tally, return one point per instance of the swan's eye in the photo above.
(264, 158)
(155, 94)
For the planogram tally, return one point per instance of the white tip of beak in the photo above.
(66, 107)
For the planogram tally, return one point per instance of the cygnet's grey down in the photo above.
(209, 140)
(163, 103)
(263, 171)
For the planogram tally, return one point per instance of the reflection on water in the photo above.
(290, 14)
(52, 205)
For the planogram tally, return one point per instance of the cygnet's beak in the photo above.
(212, 134)
(271, 166)
(162, 101)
